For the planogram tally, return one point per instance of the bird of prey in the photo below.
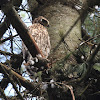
(40, 34)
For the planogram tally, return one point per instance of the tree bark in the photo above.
(65, 29)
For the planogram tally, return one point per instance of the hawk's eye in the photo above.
(44, 22)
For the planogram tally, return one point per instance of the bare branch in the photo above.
(28, 85)
(22, 30)
(1, 41)
(27, 38)
(5, 53)
(11, 81)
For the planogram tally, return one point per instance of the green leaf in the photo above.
(97, 66)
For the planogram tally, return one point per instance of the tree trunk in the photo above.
(65, 32)
(62, 18)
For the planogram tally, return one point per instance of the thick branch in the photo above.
(11, 80)
(28, 85)
(22, 30)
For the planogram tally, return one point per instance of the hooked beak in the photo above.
(48, 25)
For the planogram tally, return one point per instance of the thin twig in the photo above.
(21, 9)
(8, 54)
(69, 87)
(5, 53)
(89, 63)
(87, 41)
(2, 93)
(1, 41)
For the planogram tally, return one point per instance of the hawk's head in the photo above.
(42, 21)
